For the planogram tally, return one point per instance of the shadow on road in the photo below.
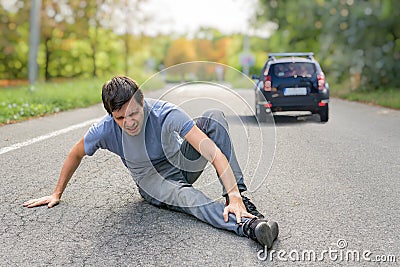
(285, 120)
(278, 120)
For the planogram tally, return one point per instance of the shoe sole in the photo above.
(274, 229)
(263, 234)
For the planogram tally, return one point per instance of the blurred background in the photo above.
(82, 43)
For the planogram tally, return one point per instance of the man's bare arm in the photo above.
(70, 165)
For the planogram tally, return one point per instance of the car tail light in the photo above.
(321, 81)
(267, 83)
(268, 105)
(323, 102)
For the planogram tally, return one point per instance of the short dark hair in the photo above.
(119, 90)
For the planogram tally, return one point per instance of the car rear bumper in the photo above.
(312, 103)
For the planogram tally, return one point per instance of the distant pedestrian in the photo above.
(166, 151)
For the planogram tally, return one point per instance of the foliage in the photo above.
(185, 50)
(22, 102)
(386, 97)
(79, 38)
(354, 39)
(180, 51)
(14, 33)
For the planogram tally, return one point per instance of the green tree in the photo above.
(14, 36)
(355, 39)
(78, 37)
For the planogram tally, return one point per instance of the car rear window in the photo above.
(293, 69)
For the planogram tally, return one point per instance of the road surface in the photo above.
(334, 189)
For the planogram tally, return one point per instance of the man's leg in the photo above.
(175, 194)
(166, 187)
(215, 126)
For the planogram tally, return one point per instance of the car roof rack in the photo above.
(309, 55)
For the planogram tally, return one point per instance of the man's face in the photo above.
(130, 117)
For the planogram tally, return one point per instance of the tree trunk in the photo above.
(126, 41)
(47, 52)
(94, 51)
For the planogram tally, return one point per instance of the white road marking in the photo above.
(4, 150)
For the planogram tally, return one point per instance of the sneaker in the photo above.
(273, 225)
(262, 231)
(250, 207)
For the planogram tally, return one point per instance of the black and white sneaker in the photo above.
(250, 207)
(262, 231)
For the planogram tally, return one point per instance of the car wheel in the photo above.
(324, 114)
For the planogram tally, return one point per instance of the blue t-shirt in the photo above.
(163, 128)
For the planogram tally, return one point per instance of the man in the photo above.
(166, 151)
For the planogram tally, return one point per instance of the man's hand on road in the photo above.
(236, 207)
(51, 201)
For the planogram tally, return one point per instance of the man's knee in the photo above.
(216, 116)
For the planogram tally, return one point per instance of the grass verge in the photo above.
(388, 97)
(22, 102)
(19, 103)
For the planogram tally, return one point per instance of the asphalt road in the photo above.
(334, 189)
